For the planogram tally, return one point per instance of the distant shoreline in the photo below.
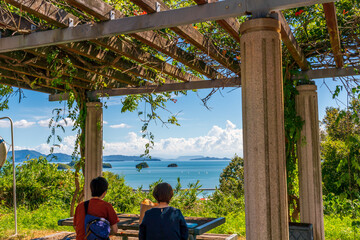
(24, 155)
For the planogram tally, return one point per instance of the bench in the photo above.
(133, 234)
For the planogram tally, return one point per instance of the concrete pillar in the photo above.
(308, 150)
(266, 206)
(93, 144)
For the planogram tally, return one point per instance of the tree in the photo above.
(232, 178)
(340, 152)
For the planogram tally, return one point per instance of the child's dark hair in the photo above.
(163, 192)
(98, 186)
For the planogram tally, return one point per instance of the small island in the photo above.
(70, 165)
(62, 166)
(107, 165)
(173, 165)
(142, 165)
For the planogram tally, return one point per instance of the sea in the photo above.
(206, 171)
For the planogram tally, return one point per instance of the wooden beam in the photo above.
(217, 83)
(328, 73)
(332, 25)
(26, 82)
(254, 6)
(135, 53)
(45, 10)
(21, 58)
(98, 9)
(160, 20)
(110, 59)
(56, 16)
(47, 81)
(193, 36)
(231, 25)
(109, 73)
(193, 62)
(18, 84)
(14, 22)
(290, 42)
(101, 10)
(169, 48)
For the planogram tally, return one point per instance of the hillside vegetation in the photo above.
(44, 195)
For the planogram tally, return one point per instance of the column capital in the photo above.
(260, 24)
(94, 104)
(306, 87)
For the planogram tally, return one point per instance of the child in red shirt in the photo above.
(97, 207)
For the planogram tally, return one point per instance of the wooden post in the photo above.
(93, 144)
(308, 150)
(263, 120)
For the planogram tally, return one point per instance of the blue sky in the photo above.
(216, 132)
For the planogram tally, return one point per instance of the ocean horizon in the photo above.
(207, 172)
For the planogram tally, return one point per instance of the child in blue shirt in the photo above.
(163, 222)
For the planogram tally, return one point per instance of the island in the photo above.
(142, 165)
(209, 158)
(62, 166)
(173, 165)
(107, 165)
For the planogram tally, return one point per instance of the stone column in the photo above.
(266, 206)
(93, 144)
(308, 150)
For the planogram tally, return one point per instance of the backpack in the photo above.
(96, 228)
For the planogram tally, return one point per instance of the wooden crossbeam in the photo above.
(290, 42)
(160, 20)
(231, 25)
(16, 82)
(45, 10)
(101, 10)
(41, 76)
(135, 53)
(217, 83)
(14, 22)
(20, 58)
(58, 17)
(26, 82)
(332, 25)
(110, 59)
(96, 8)
(120, 63)
(109, 73)
(169, 48)
(329, 73)
(193, 36)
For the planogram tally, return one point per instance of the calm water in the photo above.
(208, 172)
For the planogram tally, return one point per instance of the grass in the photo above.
(31, 224)
(340, 228)
(43, 222)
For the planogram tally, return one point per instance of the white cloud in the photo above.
(122, 125)
(218, 142)
(44, 123)
(4, 123)
(66, 146)
(23, 124)
(67, 122)
(17, 124)
(105, 122)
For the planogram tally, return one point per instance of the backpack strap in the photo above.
(86, 205)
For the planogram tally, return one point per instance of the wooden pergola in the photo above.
(112, 53)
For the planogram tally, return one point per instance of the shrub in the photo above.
(37, 182)
(232, 178)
